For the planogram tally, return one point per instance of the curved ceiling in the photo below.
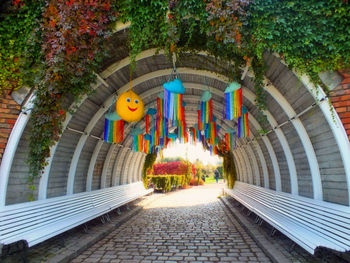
(299, 155)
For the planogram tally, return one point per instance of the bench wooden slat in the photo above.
(37, 221)
(308, 222)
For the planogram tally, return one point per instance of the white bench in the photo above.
(35, 222)
(309, 223)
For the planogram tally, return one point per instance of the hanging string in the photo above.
(130, 80)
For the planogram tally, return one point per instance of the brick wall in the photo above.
(340, 97)
(9, 110)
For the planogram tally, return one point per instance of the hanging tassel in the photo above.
(233, 101)
(243, 124)
(138, 143)
(229, 140)
(114, 128)
(200, 124)
(206, 107)
(147, 123)
(173, 97)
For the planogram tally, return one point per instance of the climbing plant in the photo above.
(73, 37)
(19, 44)
(147, 166)
(57, 45)
(229, 169)
(311, 36)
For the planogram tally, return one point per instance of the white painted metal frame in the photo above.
(335, 124)
(11, 147)
(255, 165)
(132, 167)
(106, 165)
(304, 137)
(93, 159)
(263, 164)
(123, 174)
(118, 165)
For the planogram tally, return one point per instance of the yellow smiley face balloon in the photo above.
(130, 106)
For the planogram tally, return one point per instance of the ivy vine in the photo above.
(19, 52)
(148, 164)
(57, 45)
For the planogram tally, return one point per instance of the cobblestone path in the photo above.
(186, 226)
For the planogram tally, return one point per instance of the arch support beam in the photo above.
(304, 137)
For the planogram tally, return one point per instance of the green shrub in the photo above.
(167, 182)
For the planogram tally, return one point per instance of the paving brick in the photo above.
(186, 226)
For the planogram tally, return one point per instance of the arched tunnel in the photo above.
(305, 151)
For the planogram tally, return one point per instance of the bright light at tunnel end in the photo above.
(194, 152)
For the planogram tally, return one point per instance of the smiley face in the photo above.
(130, 106)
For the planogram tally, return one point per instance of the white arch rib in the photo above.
(11, 147)
(255, 165)
(106, 165)
(335, 123)
(304, 137)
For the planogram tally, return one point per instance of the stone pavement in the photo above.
(185, 226)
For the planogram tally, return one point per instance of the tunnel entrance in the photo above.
(265, 89)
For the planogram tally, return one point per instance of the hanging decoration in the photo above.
(171, 138)
(138, 139)
(243, 124)
(206, 109)
(162, 122)
(230, 140)
(173, 97)
(233, 101)
(199, 114)
(130, 106)
(150, 119)
(211, 135)
(147, 143)
(195, 134)
(114, 128)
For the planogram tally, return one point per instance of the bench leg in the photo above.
(102, 220)
(249, 212)
(127, 207)
(108, 218)
(292, 247)
(261, 221)
(61, 241)
(23, 251)
(85, 228)
(273, 232)
(118, 211)
(257, 219)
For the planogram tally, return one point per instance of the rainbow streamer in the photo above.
(160, 107)
(211, 134)
(233, 101)
(173, 109)
(207, 111)
(229, 141)
(147, 120)
(194, 135)
(138, 143)
(200, 124)
(243, 124)
(206, 107)
(147, 143)
(114, 128)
